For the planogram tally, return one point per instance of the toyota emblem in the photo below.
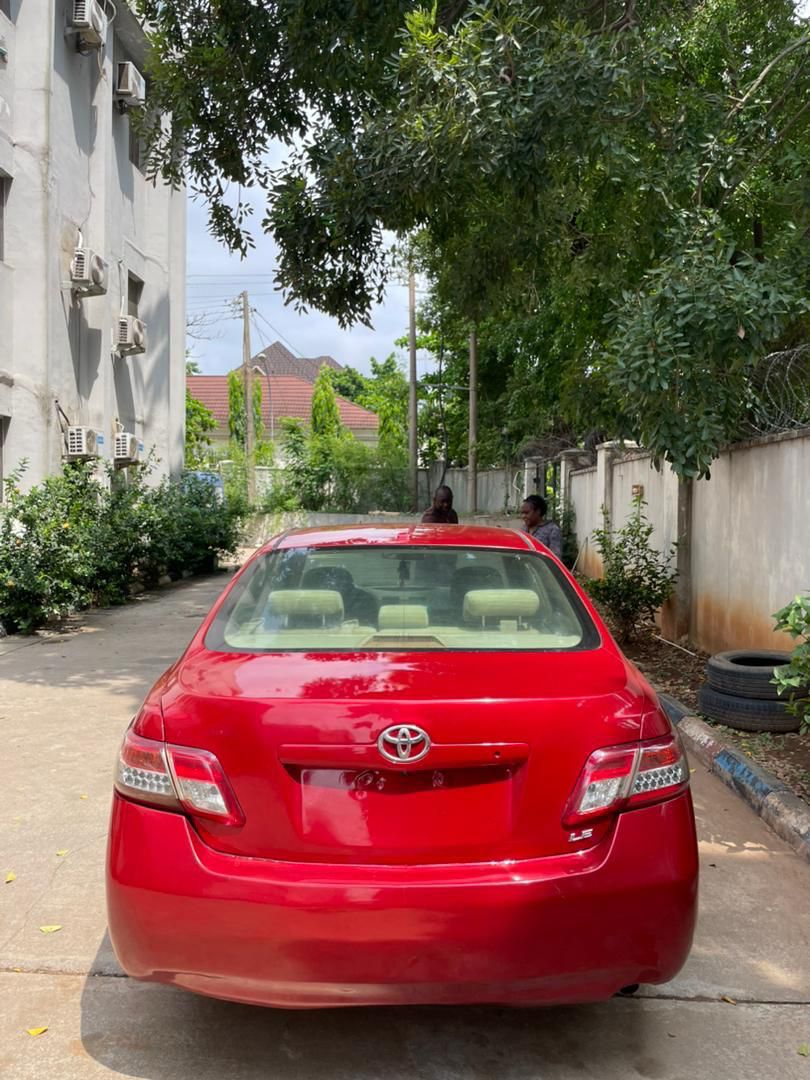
(403, 742)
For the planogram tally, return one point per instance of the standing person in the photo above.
(441, 511)
(534, 518)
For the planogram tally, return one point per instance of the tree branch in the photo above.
(779, 137)
(755, 85)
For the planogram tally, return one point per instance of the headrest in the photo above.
(306, 602)
(500, 603)
(473, 577)
(329, 577)
(403, 617)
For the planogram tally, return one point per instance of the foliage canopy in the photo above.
(615, 193)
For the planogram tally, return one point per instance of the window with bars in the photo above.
(134, 294)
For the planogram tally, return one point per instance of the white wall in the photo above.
(659, 491)
(750, 537)
(750, 542)
(496, 489)
(71, 172)
(584, 498)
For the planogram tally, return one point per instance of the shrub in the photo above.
(47, 568)
(73, 541)
(794, 619)
(637, 578)
(339, 473)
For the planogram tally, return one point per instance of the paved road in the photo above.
(64, 702)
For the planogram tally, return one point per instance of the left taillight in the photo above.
(622, 777)
(176, 778)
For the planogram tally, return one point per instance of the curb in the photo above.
(769, 797)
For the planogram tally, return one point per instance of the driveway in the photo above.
(740, 1009)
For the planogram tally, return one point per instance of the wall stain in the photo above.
(718, 625)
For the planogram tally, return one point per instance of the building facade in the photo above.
(71, 177)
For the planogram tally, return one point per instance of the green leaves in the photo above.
(794, 619)
(237, 407)
(637, 578)
(200, 423)
(325, 415)
(630, 179)
(683, 346)
(73, 541)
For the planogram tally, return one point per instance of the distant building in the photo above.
(282, 396)
(278, 360)
(71, 180)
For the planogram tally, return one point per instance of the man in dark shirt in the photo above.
(533, 512)
(441, 512)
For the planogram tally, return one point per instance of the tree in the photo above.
(386, 394)
(200, 423)
(237, 417)
(348, 382)
(325, 414)
(629, 179)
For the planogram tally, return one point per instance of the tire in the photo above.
(745, 673)
(746, 714)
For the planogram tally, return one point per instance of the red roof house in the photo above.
(282, 395)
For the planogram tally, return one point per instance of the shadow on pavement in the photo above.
(151, 1031)
(121, 650)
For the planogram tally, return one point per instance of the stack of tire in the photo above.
(739, 692)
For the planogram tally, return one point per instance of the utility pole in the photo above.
(472, 465)
(248, 379)
(413, 460)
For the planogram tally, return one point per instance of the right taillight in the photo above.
(176, 778)
(621, 777)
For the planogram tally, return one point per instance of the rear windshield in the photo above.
(394, 599)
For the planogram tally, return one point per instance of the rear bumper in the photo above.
(562, 929)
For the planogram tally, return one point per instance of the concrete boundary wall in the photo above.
(584, 499)
(749, 544)
(497, 490)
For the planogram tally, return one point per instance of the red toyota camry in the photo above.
(402, 764)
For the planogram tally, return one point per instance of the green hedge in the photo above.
(73, 541)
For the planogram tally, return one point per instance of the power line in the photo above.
(202, 298)
(211, 302)
(223, 285)
(276, 331)
(234, 276)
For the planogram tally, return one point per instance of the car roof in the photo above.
(405, 535)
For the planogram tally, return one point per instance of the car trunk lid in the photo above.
(325, 752)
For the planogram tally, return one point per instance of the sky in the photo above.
(215, 276)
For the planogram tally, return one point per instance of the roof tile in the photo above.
(289, 396)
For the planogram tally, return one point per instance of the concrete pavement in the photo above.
(64, 702)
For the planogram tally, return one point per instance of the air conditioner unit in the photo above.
(82, 443)
(130, 85)
(87, 18)
(88, 272)
(131, 336)
(126, 449)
